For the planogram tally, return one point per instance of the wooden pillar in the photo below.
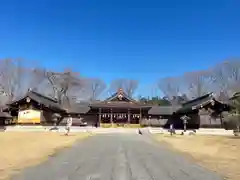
(149, 121)
(140, 116)
(111, 116)
(129, 116)
(99, 115)
(221, 120)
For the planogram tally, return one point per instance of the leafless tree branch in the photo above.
(95, 87)
(128, 85)
(198, 83)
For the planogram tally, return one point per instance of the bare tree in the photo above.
(68, 82)
(232, 69)
(11, 78)
(38, 77)
(220, 83)
(220, 77)
(41, 79)
(64, 84)
(226, 77)
(128, 85)
(115, 85)
(170, 87)
(95, 86)
(198, 83)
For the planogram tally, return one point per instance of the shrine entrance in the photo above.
(118, 116)
(119, 109)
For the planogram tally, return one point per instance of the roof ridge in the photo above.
(42, 95)
(198, 98)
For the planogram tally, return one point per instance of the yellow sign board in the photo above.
(29, 116)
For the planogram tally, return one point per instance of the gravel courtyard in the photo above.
(117, 157)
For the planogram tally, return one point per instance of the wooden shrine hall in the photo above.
(119, 109)
(35, 108)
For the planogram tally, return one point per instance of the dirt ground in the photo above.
(21, 149)
(218, 153)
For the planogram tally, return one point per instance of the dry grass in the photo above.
(218, 153)
(21, 149)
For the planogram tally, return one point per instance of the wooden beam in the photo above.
(99, 115)
(129, 116)
(111, 116)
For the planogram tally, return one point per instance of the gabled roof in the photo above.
(121, 94)
(197, 103)
(39, 98)
(163, 110)
(119, 99)
(4, 108)
(200, 99)
(235, 96)
(5, 115)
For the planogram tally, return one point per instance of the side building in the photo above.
(203, 112)
(34, 108)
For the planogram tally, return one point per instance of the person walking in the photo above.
(171, 129)
(69, 125)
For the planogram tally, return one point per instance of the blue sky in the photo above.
(143, 40)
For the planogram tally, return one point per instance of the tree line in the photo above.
(223, 80)
(16, 77)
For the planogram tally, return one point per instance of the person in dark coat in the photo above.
(96, 125)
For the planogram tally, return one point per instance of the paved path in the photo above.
(117, 157)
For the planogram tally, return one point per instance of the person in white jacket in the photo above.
(69, 125)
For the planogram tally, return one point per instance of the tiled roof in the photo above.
(118, 104)
(78, 109)
(235, 95)
(5, 115)
(196, 103)
(115, 95)
(163, 110)
(118, 99)
(41, 99)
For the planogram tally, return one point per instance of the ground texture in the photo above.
(117, 157)
(22, 149)
(218, 153)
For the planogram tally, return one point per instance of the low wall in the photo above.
(201, 131)
(212, 131)
(73, 129)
